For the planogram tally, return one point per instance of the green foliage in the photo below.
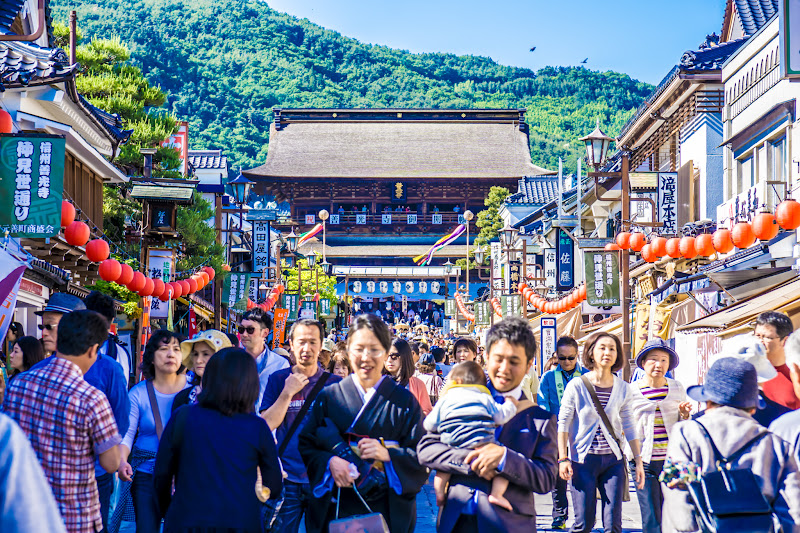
(131, 299)
(327, 284)
(489, 220)
(226, 63)
(198, 238)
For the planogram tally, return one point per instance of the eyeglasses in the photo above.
(249, 329)
(567, 358)
(394, 355)
(48, 327)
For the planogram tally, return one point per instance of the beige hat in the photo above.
(216, 339)
(328, 345)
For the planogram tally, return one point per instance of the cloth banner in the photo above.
(192, 322)
(11, 271)
(279, 327)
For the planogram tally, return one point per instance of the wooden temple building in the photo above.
(393, 180)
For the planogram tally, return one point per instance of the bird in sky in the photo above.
(584, 61)
(533, 48)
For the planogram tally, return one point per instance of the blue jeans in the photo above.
(605, 473)
(651, 499)
(145, 505)
(295, 503)
(560, 502)
(105, 486)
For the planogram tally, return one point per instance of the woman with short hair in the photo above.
(212, 494)
(590, 453)
(464, 349)
(400, 365)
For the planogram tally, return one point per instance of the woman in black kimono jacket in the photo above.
(379, 438)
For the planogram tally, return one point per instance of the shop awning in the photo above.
(785, 297)
(743, 284)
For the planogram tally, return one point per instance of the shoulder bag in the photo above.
(626, 494)
(729, 500)
(366, 523)
(151, 395)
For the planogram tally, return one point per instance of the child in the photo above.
(466, 416)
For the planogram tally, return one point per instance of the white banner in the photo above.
(497, 272)
(550, 267)
(160, 265)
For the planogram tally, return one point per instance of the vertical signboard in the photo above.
(514, 275)
(308, 310)
(601, 271)
(325, 307)
(236, 290)
(547, 339)
(668, 202)
(279, 326)
(160, 265)
(31, 185)
(497, 272)
(565, 250)
(550, 267)
(483, 312)
(449, 307)
(511, 304)
(260, 245)
(292, 303)
(790, 38)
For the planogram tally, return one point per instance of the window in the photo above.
(777, 166)
(744, 174)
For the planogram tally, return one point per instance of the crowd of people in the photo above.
(222, 433)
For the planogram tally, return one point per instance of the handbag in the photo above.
(363, 523)
(626, 493)
(729, 500)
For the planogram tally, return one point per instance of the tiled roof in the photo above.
(8, 12)
(208, 159)
(755, 14)
(112, 123)
(23, 64)
(535, 190)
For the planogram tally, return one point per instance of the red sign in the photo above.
(180, 142)
(31, 287)
(279, 331)
(192, 322)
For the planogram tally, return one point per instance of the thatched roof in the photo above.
(408, 147)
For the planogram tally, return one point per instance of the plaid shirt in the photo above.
(67, 422)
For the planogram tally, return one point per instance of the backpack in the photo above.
(729, 500)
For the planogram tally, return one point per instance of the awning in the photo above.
(784, 297)
(777, 117)
(742, 284)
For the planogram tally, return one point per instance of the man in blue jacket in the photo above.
(551, 389)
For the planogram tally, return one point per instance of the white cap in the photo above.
(748, 348)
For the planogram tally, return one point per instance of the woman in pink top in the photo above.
(400, 365)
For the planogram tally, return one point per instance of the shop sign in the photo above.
(483, 312)
(450, 307)
(279, 326)
(160, 265)
(550, 267)
(236, 290)
(514, 275)
(497, 272)
(740, 208)
(292, 303)
(511, 304)
(790, 38)
(601, 272)
(566, 258)
(260, 246)
(325, 307)
(31, 287)
(668, 202)
(547, 339)
(31, 185)
(308, 310)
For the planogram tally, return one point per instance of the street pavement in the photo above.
(427, 510)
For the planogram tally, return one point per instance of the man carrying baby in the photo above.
(524, 453)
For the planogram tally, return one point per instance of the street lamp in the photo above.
(263, 287)
(480, 255)
(323, 216)
(468, 216)
(292, 240)
(507, 236)
(311, 258)
(597, 144)
(448, 267)
(326, 267)
(240, 187)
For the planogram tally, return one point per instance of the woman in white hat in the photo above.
(196, 353)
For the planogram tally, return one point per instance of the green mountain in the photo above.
(226, 63)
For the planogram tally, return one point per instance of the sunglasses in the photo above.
(249, 329)
(567, 358)
(48, 327)
(394, 356)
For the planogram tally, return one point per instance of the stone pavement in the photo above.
(427, 510)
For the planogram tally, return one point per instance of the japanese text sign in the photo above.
(31, 185)
(160, 265)
(602, 277)
(291, 302)
(668, 202)
(308, 310)
(236, 290)
(450, 307)
(565, 251)
(279, 325)
(483, 312)
(511, 304)
(325, 307)
(260, 245)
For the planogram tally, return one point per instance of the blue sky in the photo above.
(643, 38)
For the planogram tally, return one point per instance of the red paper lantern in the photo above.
(126, 276)
(6, 122)
(637, 241)
(210, 271)
(765, 227)
(77, 233)
(147, 290)
(164, 297)
(623, 240)
(192, 284)
(206, 278)
(722, 241)
(199, 280)
(68, 213)
(612, 246)
(648, 254)
(177, 290)
(582, 292)
(521, 287)
(110, 270)
(184, 287)
(787, 214)
(158, 287)
(138, 282)
(250, 304)
(704, 244)
(659, 246)
(674, 247)
(97, 250)
(742, 235)
(687, 247)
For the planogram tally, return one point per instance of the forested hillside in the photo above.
(226, 63)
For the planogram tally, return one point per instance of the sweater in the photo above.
(644, 412)
(577, 406)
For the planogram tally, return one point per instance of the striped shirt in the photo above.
(660, 436)
(600, 445)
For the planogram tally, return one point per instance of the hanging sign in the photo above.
(279, 327)
(236, 290)
(386, 218)
(325, 308)
(404, 304)
(436, 218)
(160, 265)
(308, 310)
(292, 303)
(192, 322)
(260, 245)
(483, 314)
(565, 251)
(511, 304)
(668, 202)
(334, 219)
(31, 185)
(361, 218)
(411, 219)
(601, 271)
(497, 272)
(547, 339)
(311, 219)
(514, 275)
(450, 307)
(550, 267)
